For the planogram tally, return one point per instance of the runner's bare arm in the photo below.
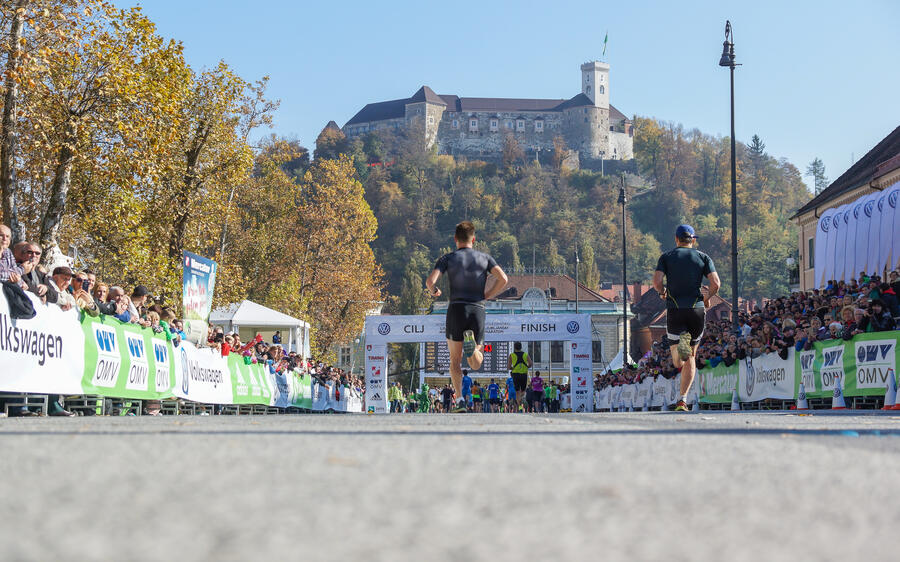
(432, 279)
(658, 284)
(500, 281)
(713, 288)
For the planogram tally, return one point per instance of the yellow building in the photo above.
(876, 171)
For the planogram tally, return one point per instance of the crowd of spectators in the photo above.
(839, 311)
(278, 360)
(21, 266)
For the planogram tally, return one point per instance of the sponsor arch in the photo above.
(573, 329)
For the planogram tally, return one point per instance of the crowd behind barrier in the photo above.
(844, 332)
(66, 334)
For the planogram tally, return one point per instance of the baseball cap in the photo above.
(685, 231)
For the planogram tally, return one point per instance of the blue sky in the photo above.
(818, 77)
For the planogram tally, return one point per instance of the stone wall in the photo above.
(621, 146)
(533, 130)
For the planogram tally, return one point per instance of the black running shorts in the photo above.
(464, 316)
(520, 381)
(680, 320)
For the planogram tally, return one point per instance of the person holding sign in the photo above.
(467, 271)
(684, 269)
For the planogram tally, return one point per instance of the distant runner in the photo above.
(467, 388)
(512, 405)
(519, 362)
(467, 271)
(684, 269)
(494, 396)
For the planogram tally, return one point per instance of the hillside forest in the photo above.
(527, 214)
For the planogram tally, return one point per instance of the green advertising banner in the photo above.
(864, 364)
(717, 383)
(302, 390)
(250, 383)
(873, 358)
(125, 360)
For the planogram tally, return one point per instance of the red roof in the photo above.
(562, 288)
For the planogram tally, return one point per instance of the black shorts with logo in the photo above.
(520, 381)
(463, 316)
(680, 320)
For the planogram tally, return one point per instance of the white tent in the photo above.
(256, 317)
(616, 363)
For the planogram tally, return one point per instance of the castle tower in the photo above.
(595, 82)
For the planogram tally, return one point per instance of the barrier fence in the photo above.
(862, 365)
(68, 353)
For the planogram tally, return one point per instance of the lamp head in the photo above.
(727, 47)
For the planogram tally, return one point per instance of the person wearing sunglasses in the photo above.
(27, 256)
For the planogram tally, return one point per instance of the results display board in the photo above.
(496, 358)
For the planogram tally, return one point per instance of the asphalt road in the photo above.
(640, 486)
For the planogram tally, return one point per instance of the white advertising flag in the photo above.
(840, 247)
(861, 238)
(830, 243)
(889, 236)
(821, 245)
(874, 265)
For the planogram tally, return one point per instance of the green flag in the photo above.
(605, 38)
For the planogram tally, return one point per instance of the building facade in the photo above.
(480, 127)
(874, 172)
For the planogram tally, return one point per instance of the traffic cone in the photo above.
(802, 402)
(837, 398)
(890, 395)
(735, 404)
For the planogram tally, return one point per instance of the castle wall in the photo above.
(533, 130)
(587, 130)
(621, 146)
(426, 115)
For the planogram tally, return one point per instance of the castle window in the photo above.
(508, 124)
(431, 119)
(585, 119)
(539, 126)
(473, 124)
(584, 110)
(601, 90)
(611, 128)
(455, 124)
(520, 124)
(588, 90)
(494, 124)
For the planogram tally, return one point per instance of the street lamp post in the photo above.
(577, 261)
(622, 201)
(728, 60)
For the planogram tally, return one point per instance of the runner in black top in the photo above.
(467, 272)
(684, 269)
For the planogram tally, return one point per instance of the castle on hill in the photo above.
(479, 127)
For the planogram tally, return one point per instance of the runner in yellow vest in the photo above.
(519, 363)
